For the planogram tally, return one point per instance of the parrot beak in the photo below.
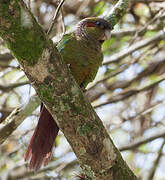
(107, 34)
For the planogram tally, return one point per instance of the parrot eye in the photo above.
(100, 25)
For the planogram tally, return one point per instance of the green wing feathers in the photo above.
(82, 57)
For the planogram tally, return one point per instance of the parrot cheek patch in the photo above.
(90, 24)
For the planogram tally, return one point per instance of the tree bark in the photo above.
(57, 89)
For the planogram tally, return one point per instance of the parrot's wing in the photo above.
(65, 40)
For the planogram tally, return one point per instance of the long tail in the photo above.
(41, 144)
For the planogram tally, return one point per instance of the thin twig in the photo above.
(12, 86)
(127, 51)
(144, 28)
(97, 90)
(17, 117)
(57, 167)
(55, 17)
(155, 165)
(6, 57)
(29, 4)
(63, 25)
(141, 141)
(127, 93)
(145, 111)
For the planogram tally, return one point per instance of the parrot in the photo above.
(81, 50)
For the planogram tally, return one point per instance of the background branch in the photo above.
(17, 117)
(155, 165)
(142, 141)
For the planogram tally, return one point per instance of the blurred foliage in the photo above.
(128, 92)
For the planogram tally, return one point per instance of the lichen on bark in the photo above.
(22, 34)
(117, 12)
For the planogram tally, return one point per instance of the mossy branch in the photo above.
(17, 117)
(117, 12)
(57, 89)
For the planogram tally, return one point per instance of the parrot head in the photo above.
(93, 28)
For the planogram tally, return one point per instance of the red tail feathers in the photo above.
(41, 144)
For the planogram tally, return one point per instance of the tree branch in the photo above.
(94, 92)
(55, 17)
(156, 163)
(142, 141)
(128, 92)
(12, 86)
(6, 57)
(127, 51)
(17, 117)
(117, 12)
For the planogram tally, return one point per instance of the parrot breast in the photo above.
(82, 56)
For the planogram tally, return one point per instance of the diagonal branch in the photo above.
(17, 117)
(94, 92)
(128, 92)
(117, 12)
(12, 86)
(6, 57)
(156, 163)
(127, 51)
(142, 141)
(55, 17)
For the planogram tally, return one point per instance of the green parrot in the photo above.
(81, 51)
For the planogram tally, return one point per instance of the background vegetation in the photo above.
(128, 93)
